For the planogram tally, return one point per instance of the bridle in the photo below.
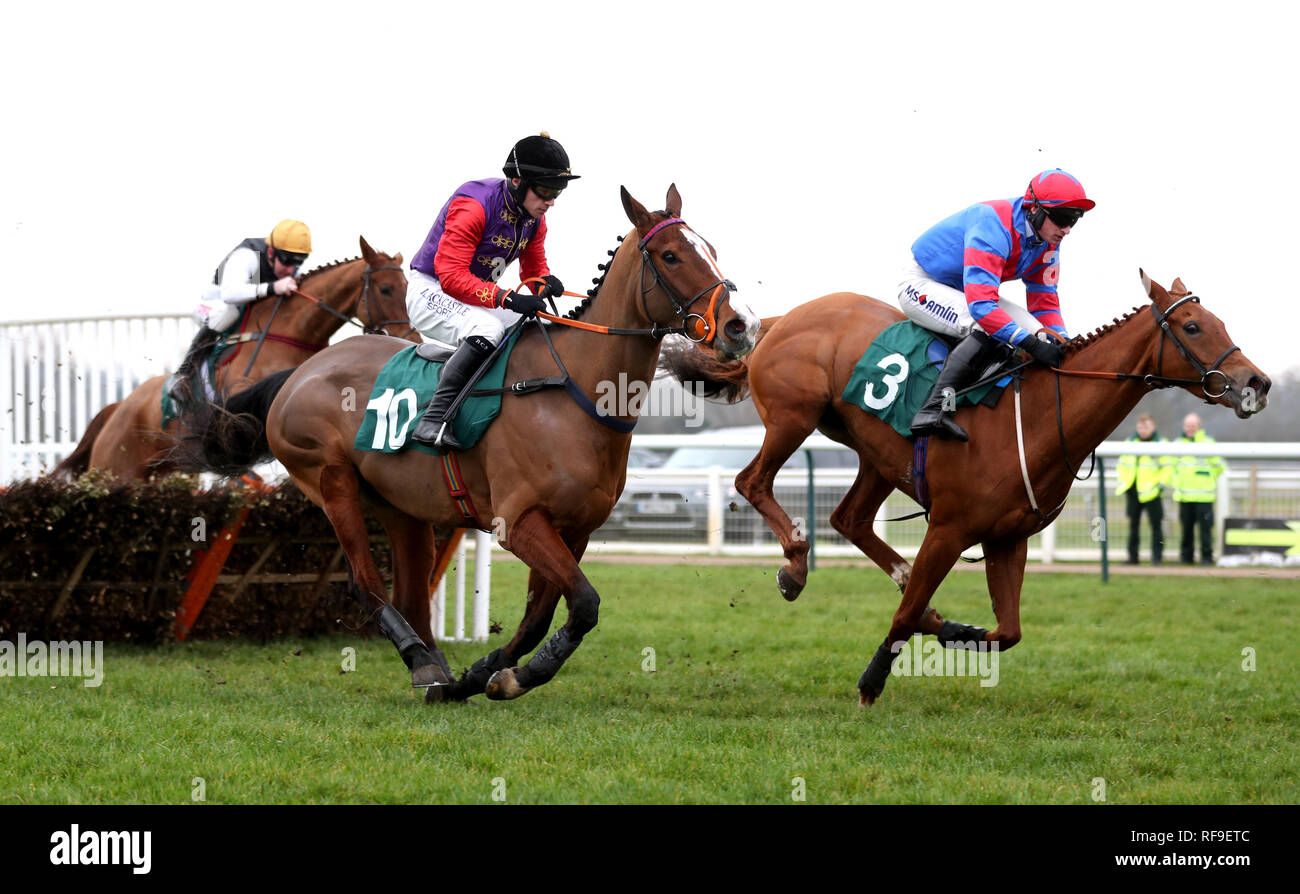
(369, 326)
(701, 329)
(1151, 380)
(1160, 381)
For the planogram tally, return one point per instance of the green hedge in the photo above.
(131, 587)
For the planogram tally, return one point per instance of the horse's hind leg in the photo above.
(340, 497)
(755, 484)
(938, 553)
(855, 518)
(534, 540)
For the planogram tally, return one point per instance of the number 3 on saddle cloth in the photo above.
(897, 371)
(406, 384)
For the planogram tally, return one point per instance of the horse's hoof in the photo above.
(503, 686)
(435, 695)
(789, 587)
(428, 675)
(867, 697)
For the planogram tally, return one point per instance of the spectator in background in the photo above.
(1142, 479)
(1195, 482)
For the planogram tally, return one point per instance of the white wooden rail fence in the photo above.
(56, 374)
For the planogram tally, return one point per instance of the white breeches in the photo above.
(940, 308)
(441, 318)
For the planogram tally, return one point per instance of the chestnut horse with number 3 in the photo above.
(982, 492)
(127, 438)
(545, 474)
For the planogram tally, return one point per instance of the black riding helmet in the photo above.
(539, 160)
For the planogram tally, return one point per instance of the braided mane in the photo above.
(330, 266)
(1079, 342)
(578, 311)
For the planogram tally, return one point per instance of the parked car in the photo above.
(667, 507)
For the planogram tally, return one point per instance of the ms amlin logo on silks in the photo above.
(947, 314)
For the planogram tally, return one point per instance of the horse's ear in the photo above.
(366, 251)
(1154, 290)
(635, 210)
(398, 260)
(1177, 287)
(673, 204)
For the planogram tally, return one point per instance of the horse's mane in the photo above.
(578, 311)
(330, 266)
(1082, 341)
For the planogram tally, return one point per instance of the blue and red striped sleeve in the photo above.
(986, 256)
(1041, 297)
(460, 238)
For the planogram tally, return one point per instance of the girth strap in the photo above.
(455, 481)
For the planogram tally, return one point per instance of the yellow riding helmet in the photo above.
(291, 236)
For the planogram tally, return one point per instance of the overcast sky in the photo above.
(811, 142)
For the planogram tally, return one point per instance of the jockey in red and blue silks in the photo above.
(961, 262)
(452, 295)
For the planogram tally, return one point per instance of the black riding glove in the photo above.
(551, 288)
(1048, 353)
(527, 305)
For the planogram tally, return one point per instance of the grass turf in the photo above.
(1139, 683)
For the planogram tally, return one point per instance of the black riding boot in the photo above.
(195, 356)
(434, 428)
(964, 363)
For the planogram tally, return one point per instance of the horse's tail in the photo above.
(690, 362)
(228, 438)
(78, 460)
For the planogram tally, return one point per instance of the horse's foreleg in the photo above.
(340, 494)
(534, 540)
(855, 518)
(543, 596)
(938, 553)
(755, 484)
(413, 558)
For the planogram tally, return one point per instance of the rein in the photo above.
(368, 328)
(702, 330)
(264, 335)
(692, 326)
(1156, 380)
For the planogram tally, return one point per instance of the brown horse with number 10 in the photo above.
(545, 474)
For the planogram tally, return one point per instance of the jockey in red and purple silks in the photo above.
(452, 295)
(961, 262)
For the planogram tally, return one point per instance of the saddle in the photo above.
(901, 365)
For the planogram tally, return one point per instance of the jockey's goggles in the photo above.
(1064, 217)
(545, 193)
(289, 258)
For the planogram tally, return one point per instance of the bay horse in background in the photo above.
(128, 439)
(545, 474)
(983, 492)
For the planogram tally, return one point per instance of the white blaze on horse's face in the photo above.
(744, 343)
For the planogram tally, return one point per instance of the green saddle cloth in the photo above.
(897, 372)
(403, 389)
